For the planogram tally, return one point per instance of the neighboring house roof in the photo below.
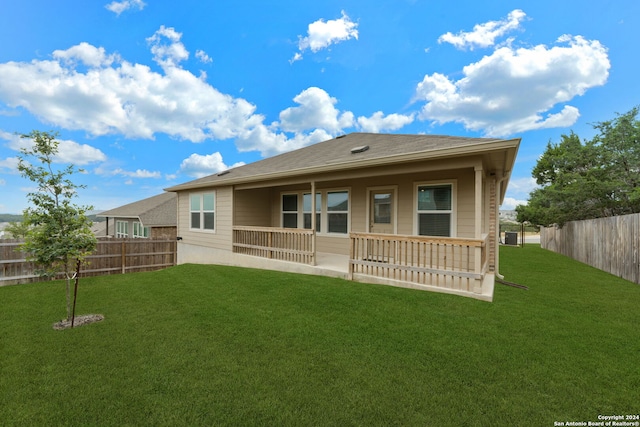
(357, 150)
(156, 211)
(99, 228)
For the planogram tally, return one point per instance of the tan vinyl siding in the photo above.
(405, 195)
(358, 206)
(404, 185)
(253, 208)
(332, 244)
(466, 204)
(222, 236)
(262, 207)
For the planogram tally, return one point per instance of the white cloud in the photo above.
(10, 164)
(510, 203)
(78, 154)
(87, 54)
(139, 173)
(203, 57)
(167, 49)
(322, 34)
(68, 151)
(269, 141)
(515, 90)
(315, 119)
(108, 95)
(316, 111)
(86, 88)
(378, 122)
(521, 187)
(518, 192)
(112, 96)
(484, 35)
(118, 7)
(198, 166)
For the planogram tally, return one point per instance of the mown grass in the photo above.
(211, 345)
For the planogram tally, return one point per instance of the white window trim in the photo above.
(318, 209)
(120, 234)
(324, 212)
(453, 226)
(215, 210)
(138, 225)
(297, 211)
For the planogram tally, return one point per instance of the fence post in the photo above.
(123, 251)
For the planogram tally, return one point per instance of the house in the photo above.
(154, 217)
(418, 211)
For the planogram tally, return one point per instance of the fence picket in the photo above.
(610, 244)
(112, 256)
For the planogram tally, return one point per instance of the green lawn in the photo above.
(208, 345)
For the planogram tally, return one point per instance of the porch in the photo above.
(448, 265)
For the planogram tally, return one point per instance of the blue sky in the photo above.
(149, 94)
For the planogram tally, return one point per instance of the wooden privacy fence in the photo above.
(443, 262)
(610, 244)
(285, 244)
(112, 256)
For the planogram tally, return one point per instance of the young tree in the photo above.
(60, 237)
(17, 230)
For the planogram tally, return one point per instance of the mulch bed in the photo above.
(78, 321)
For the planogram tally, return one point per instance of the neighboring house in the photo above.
(418, 211)
(154, 217)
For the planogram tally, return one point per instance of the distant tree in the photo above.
(594, 179)
(10, 218)
(17, 229)
(60, 237)
(619, 140)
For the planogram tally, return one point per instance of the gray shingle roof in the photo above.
(336, 154)
(160, 210)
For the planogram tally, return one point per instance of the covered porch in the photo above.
(448, 265)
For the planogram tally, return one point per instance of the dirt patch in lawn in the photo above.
(78, 321)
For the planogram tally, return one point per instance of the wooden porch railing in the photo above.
(285, 244)
(443, 262)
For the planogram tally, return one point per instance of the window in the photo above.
(122, 229)
(337, 211)
(435, 210)
(382, 208)
(306, 208)
(290, 210)
(139, 231)
(203, 211)
(332, 211)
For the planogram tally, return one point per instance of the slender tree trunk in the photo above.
(75, 292)
(68, 296)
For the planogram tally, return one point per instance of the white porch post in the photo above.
(478, 199)
(477, 288)
(313, 221)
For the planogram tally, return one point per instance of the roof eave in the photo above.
(469, 149)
